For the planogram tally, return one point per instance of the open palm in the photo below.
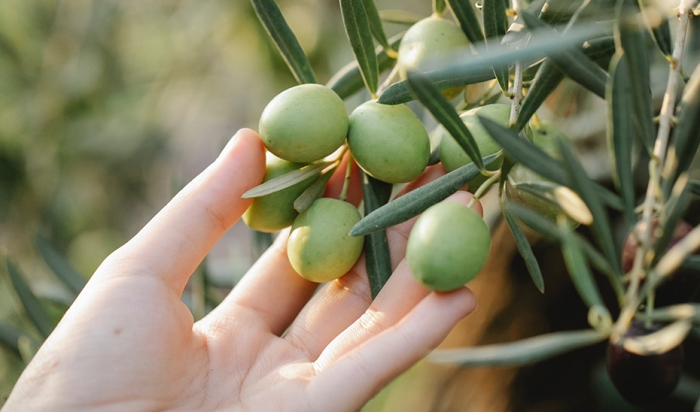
(129, 343)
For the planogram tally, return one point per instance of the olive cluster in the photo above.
(449, 243)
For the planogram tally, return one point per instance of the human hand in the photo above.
(129, 343)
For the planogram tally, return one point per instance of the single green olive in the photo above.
(275, 211)
(447, 246)
(430, 39)
(545, 136)
(319, 247)
(304, 123)
(390, 143)
(453, 156)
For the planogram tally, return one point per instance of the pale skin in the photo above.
(129, 343)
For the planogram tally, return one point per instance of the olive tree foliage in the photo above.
(523, 51)
(528, 50)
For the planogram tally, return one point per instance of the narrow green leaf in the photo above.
(378, 259)
(672, 213)
(540, 162)
(467, 19)
(660, 30)
(547, 228)
(519, 353)
(439, 7)
(59, 265)
(494, 12)
(558, 11)
(621, 132)
(285, 181)
(469, 69)
(547, 79)
(400, 92)
(633, 39)
(415, 202)
(284, 39)
(524, 248)
(444, 113)
(357, 28)
(549, 76)
(348, 80)
(579, 271)
(573, 62)
(375, 25)
(399, 17)
(313, 192)
(686, 134)
(586, 189)
(32, 306)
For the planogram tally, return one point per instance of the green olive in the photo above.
(304, 123)
(544, 136)
(389, 143)
(447, 246)
(453, 156)
(319, 247)
(428, 39)
(275, 211)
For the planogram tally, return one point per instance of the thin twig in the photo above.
(346, 183)
(517, 90)
(655, 166)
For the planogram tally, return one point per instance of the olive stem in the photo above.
(655, 167)
(346, 183)
(649, 307)
(516, 93)
(484, 187)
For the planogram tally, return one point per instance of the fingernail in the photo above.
(231, 143)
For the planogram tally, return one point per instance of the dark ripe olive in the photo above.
(644, 380)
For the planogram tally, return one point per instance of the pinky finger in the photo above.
(354, 378)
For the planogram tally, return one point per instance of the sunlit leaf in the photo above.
(566, 199)
(348, 80)
(525, 249)
(676, 312)
(313, 192)
(620, 130)
(467, 19)
(375, 25)
(59, 265)
(399, 17)
(378, 259)
(573, 62)
(445, 114)
(660, 341)
(284, 39)
(686, 134)
(357, 28)
(415, 202)
(32, 306)
(585, 187)
(519, 353)
(285, 181)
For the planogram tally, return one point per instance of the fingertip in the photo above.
(462, 301)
